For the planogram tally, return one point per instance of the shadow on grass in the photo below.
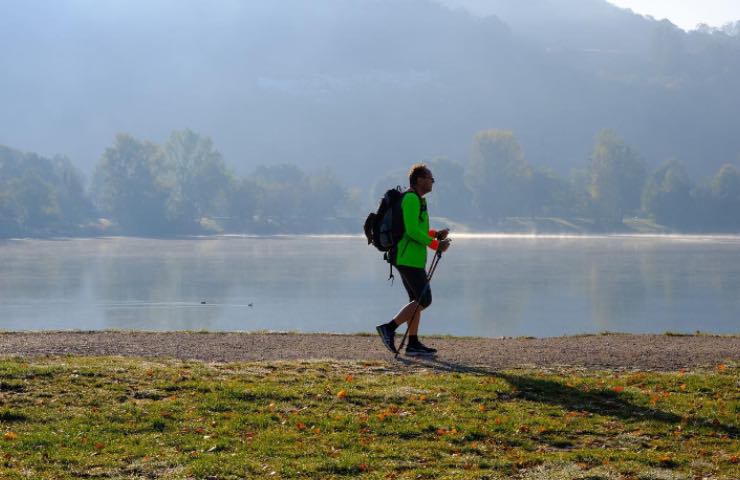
(595, 401)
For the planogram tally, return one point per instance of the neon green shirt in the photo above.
(412, 248)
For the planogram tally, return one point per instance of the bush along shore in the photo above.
(115, 417)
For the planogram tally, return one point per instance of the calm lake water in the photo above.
(485, 285)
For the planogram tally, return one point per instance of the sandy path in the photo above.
(655, 352)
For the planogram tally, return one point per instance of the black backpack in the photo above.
(384, 228)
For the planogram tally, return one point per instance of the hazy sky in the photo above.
(686, 13)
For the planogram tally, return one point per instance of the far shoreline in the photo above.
(510, 226)
(483, 235)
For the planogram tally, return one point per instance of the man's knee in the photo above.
(426, 300)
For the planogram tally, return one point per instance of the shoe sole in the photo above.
(421, 354)
(382, 339)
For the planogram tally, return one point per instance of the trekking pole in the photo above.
(432, 268)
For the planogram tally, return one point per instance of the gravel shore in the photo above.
(651, 352)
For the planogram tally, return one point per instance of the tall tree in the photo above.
(281, 191)
(551, 195)
(498, 175)
(667, 195)
(40, 196)
(244, 201)
(617, 176)
(201, 180)
(726, 197)
(130, 185)
(35, 204)
(324, 195)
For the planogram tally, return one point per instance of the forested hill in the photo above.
(364, 86)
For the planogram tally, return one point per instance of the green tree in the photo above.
(200, 181)
(73, 199)
(40, 196)
(323, 195)
(34, 204)
(551, 195)
(244, 202)
(726, 197)
(281, 191)
(667, 195)
(617, 176)
(8, 219)
(130, 185)
(498, 175)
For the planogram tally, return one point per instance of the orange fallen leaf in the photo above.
(664, 459)
(363, 467)
(342, 393)
(682, 386)
(721, 367)
(423, 398)
(498, 421)
(618, 389)
(300, 426)
(317, 430)
(10, 436)
(733, 459)
(349, 378)
(481, 408)
(99, 446)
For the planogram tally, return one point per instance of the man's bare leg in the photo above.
(404, 315)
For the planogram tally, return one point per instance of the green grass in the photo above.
(133, 418)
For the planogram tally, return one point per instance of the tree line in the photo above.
(614, 184)
(181, 187)
(184, 186)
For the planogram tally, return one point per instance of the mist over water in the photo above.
(486, 285)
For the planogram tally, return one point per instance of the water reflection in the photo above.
(484, 286)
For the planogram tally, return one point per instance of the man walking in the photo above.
(410, 259)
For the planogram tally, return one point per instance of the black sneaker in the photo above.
(419, 350)
(387, 335)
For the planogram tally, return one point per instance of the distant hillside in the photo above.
(365, 86)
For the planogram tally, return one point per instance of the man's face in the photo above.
(426, 182)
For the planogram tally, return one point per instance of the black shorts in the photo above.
(415, 279)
